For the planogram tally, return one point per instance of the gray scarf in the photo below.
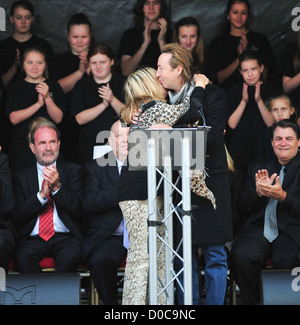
(177, 98)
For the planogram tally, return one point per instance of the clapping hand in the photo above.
(83, 63)
(265, 186)
(243, 44)
(162, 23)
(43, 89)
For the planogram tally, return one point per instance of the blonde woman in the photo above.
(140, 88)
(143, 87)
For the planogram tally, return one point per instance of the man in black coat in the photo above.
(48, 180)
(103, 246)
(7, 203)
(254, 246)
(211, 228)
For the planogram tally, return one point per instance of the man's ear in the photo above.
(32, 147)
(179, 70)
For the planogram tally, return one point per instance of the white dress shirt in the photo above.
(58, 224)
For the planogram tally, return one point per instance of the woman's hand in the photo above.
(106, 93)
(243, 44)
(40, 101)
(135, 117)
(147, 33)
(200, 80)
(83, 63)
(162, 23)
(43, 89)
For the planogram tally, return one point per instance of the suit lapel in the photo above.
(60, 168)
(291, 171)
(32, 179)
(113, 173)
(112, 167)
(271, 167)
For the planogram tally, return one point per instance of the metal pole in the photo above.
(169, 229)
(186, 231)
(152, 218)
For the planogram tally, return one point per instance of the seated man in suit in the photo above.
(103, 246)
(7, 203)
(48, 212)
(262, 236)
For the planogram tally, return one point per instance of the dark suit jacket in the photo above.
(67, 199)
(7, 199)
(100, 202)
(211, 226)
(288, 211)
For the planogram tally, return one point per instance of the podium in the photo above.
(160, 152)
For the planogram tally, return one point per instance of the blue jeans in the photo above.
(215, 275)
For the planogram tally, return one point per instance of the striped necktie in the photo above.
(46, 226)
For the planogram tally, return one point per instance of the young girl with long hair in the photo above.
(35, 95)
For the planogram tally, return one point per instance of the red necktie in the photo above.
(46, 227)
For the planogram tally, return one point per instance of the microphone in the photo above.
(148, 105)
(196, 102)
(144, 108)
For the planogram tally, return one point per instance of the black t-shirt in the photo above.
(242, 145)
(8, 53)
(223, 51)
(63, 65)
(131, 41)
(21, 95)
(85, 95)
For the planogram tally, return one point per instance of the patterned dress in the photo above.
(135, 212)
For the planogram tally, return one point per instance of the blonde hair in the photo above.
(140, 87)
(180, 56)
(229, 160)
(280, 96)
